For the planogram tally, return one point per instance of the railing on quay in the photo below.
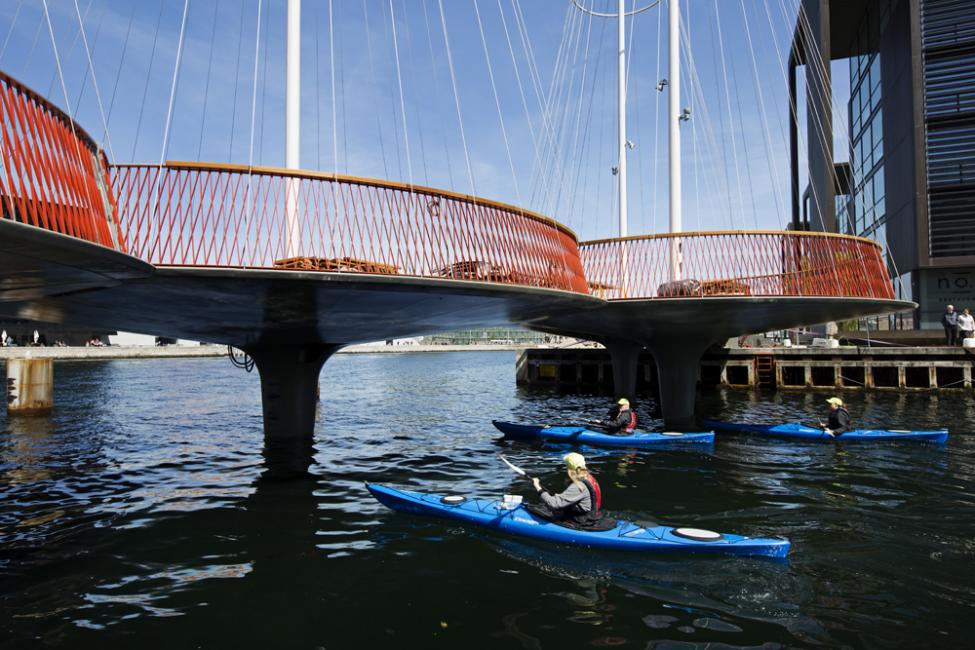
(211, 215)
(736, 263)
(53, 175)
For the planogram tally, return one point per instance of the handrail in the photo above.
(197, 214)
(51, 108)
(358, 180)
(702, 233)
(53, 175)
(736, 263)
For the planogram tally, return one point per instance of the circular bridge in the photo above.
(292, 265)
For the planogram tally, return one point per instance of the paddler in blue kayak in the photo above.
(579, 505)
(622, 419)
(839, 418)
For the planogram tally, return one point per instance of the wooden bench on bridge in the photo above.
(340, 264)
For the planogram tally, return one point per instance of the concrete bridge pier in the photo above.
(678, 361)
(625, 356)
(289, 387)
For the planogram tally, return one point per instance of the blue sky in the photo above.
(735, 164)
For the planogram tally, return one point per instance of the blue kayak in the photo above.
(803, 432)
(516, 520)
(583, 436)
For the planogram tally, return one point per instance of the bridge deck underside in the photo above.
(712, 319)
(36, 262)
(272, 307)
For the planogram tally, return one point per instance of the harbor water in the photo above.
(146, 512)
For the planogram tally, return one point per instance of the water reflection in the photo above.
(686, 592)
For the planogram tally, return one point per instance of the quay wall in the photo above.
(857, 368)
(79, 353)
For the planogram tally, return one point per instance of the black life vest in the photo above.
(834, 419)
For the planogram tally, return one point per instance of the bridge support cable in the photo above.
(94, 79)
(766, 130)
(551, 154)
(521, 88)
(145, 87)
(819, 78)
(826, 133)
(175, 83)
(436, 90)
(206, 84)
(818, 93)
(704, 137)
(10, 31)
(497, 102)
(453, 81)
(95, 161)
(402, 99)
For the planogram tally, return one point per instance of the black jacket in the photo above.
(839, 421)
(618, 420)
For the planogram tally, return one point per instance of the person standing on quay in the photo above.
(966, 325)
(950, 321)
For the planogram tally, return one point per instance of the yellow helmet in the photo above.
(575, 460)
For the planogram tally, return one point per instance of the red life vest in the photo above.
(632, 425)
(595, 495)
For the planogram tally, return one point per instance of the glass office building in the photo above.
(911, 134)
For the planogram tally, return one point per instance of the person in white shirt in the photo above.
(966, 325)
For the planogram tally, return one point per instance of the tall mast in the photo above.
(621, 23)
(674, 119)
(292, 155)
(674, 115)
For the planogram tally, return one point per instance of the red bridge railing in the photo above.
(52, 175)
(190, 214)
(736, 263)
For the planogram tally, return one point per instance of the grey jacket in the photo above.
(950, 320)
(576, 493)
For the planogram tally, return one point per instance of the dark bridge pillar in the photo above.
(678, 361)
(289, 383)
(625, 356)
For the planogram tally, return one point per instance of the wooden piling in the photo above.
(30, 386)
(910, 369)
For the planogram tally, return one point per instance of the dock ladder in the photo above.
(765, 370)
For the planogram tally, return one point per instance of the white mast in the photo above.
(292, 121)
(674, 119)
(621, 23)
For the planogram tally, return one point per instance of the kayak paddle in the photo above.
(514, 468)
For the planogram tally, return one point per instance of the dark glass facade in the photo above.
(911, 125)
